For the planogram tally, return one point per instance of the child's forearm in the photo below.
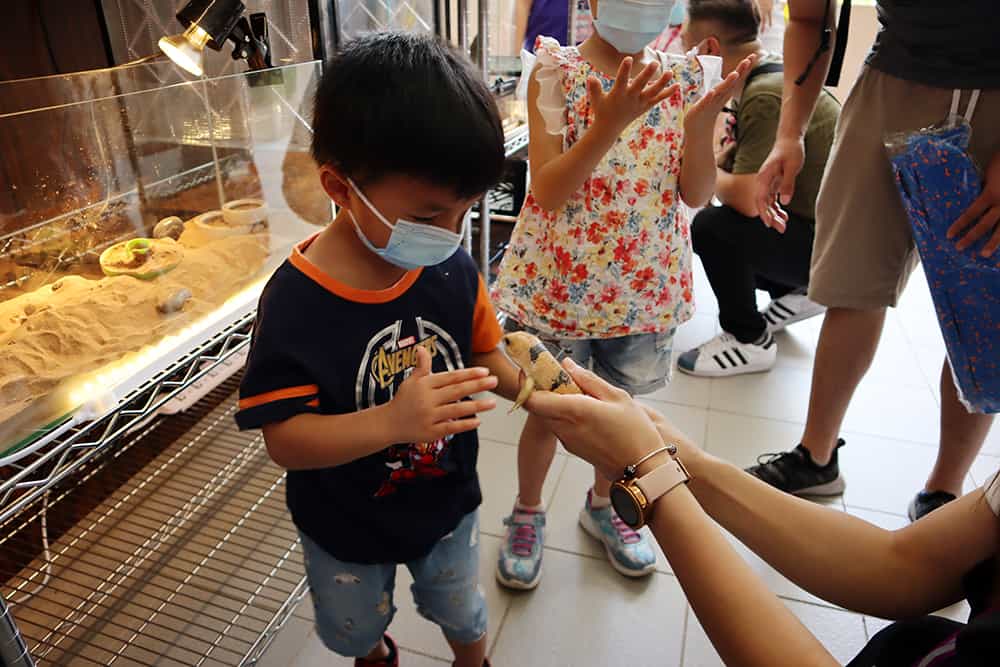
(507, 374)
(522, 10)
(309, 441)
(697, 177)
(562, 176)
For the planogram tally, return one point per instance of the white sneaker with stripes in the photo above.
(789, 309)
(724, 356)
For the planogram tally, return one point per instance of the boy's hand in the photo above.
(429, 406)
(629, 99)
(700, 118)
(985, 210)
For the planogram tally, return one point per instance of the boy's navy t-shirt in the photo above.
(322, 347)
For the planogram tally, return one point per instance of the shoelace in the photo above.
(627, 535)
(524, 536)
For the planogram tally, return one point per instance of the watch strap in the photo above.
(661, 480)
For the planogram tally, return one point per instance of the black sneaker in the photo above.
(795, 472)
(926, 502)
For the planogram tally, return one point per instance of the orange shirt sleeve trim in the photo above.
(486, 332)
(343, 290)
(279, 395)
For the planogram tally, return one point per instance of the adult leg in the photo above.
(847, 345)
(962, 436)
(727, 243)
(740, 253)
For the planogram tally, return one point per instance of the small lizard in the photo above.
(541, 370)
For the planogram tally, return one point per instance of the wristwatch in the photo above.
(633, 497)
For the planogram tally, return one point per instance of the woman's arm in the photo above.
(556, 176)
(840, 558)
(746, 622)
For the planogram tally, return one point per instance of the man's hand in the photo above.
(429, 406)
(776, 181)
(629, 99)
(986, 209)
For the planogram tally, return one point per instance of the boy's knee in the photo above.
(460, 611)
(353, 637)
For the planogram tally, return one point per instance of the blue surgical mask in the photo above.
(629, 25)
(411, 244)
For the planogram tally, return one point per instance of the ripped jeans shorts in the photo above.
(354, 604)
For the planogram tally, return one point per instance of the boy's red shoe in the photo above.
(391, 660)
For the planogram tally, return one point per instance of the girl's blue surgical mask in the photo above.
(629, 25)
(411, 244)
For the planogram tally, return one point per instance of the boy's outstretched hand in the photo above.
(429, 406)
(629, 98)
(700, 118)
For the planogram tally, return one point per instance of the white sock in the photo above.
(518, 505)
(598, 502)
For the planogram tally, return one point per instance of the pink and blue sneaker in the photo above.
(629, 552)
(520, 563)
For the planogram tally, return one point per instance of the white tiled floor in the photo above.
(585, 614)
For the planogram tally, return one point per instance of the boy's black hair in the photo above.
(402, 103)
(740, 19)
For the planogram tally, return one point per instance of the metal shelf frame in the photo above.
(74, 445)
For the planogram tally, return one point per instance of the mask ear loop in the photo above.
(371, 206)
(956, 95)
(971, 109)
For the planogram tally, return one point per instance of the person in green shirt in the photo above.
(739, 253)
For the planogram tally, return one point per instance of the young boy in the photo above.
(370, 337)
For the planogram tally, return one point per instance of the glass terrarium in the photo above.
(135, 220)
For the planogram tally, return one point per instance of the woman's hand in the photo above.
(604, 426)
(986, 209)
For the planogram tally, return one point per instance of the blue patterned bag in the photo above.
(938, 180)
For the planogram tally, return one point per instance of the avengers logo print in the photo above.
(391, 356)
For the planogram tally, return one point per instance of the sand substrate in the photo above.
(77, 325)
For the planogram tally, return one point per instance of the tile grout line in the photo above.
(684, 631)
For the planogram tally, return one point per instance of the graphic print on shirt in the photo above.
(389, 358)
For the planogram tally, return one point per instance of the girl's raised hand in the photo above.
(629, 99)
(701, 116)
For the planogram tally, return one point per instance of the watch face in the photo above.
(625, 506)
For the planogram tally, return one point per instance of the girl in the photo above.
(599, 265)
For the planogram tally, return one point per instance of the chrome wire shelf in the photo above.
(74, 444)
(190, 560)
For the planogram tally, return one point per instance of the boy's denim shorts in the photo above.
(639, 364)
(354, 605)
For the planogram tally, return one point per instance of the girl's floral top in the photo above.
(615, 259)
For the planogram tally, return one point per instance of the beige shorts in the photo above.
(864, 251)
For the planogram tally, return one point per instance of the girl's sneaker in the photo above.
(723, 356)
(790, 309)
(628, 551)
(520, 563)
